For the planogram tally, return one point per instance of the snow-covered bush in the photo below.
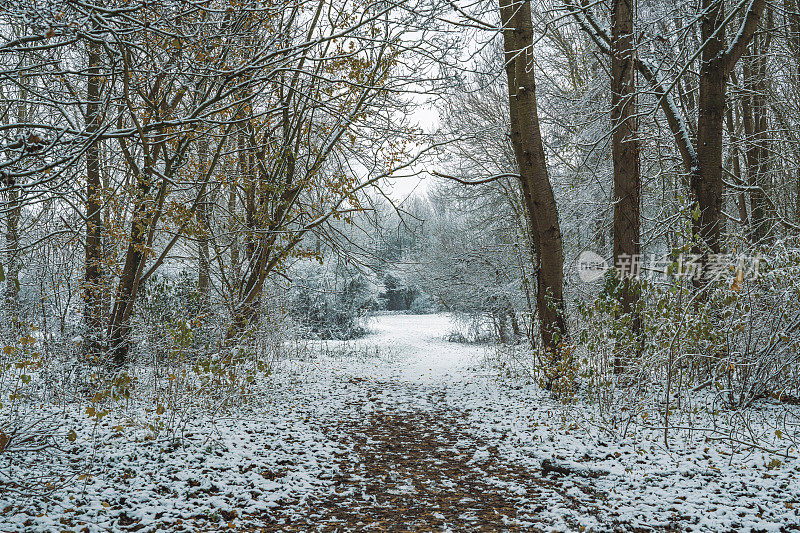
(172, 326)
(713, 359)
(332, 303)
(702, 355)
(423, 305)
(29, 377)
(759, 327)
(471, 328)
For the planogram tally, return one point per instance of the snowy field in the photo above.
(401, 430)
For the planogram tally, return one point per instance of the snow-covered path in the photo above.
(421, 355)
(413, 464)
(398, 431)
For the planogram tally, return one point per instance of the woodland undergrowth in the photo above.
(718, 363)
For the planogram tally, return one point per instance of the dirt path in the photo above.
(416, 468)
(414, 464)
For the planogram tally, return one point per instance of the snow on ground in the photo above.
(400, 428)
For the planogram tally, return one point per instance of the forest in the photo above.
(399, 265)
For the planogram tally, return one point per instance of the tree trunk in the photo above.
(792, 9)
(754, 112)
(625, 155)
(717, 60)
(702, 161)
(13, 214)
(233, 231)
(515, 329)
(13, 210)
(144, 212)
(752, 155)
(93, 283)
(741, 198)
(247, 180)
(706, 178)
(262, 258)
(529, 153)
(203, 219)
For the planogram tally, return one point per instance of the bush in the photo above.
(173, 322)
(708, 352)
(332, 305)
(423, 305)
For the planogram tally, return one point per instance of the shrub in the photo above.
(332, 305)
(423, 305)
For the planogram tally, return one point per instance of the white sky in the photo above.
(426, 118)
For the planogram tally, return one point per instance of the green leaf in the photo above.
(71, 436)
(2, 274)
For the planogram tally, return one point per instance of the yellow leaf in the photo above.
(737, 283)
(72, 436)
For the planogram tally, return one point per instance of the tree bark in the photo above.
(233, 231)
(706, 177)
(93, 283)
(203, 219)
(119, 322)
(263, 258)
(529, 153)
(702, 161)
(246, 178)
(792, 10)
(146, 211)
(752, 155)
(717, 60)
(625, 156)
(13, 210)
(754, 112)
(741, 198)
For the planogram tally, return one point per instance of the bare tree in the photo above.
(702, 159)
(93, 278)
(625, 155)
(540, 203)
(755, 118)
